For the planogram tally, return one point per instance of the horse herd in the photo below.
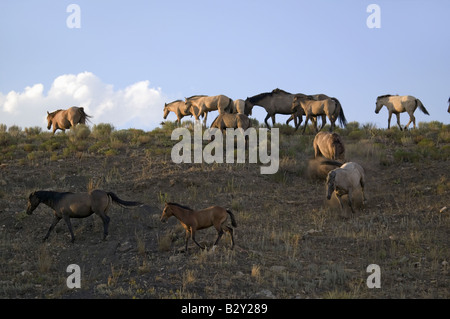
(342, 180)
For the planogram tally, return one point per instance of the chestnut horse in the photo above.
(193, 220)
(65, 119)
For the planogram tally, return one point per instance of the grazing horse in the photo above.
(76, 205)
(399, 104)
(329, 145)
(202, 104)
(179, 107)
(311, 108)
(65, 119)
(344, 180)
(277, 101)
(231, 120)
(193, 220)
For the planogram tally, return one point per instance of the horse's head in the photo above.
(33, 202)
(295, 104)
(166, 111)
(187, 102)
(167, 212)
(378, 105)
(49, 120)
(248, 107)
(331, 183)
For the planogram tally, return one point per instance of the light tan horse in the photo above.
(345, 180)
(65, 119)
(193, 220)
(311, 108)
(202, 104)
(398, 104)
(231, 120)
(329, 145)
(239, 106)
(275, 102)
(316, 97)
(76, 205)
(178, 107)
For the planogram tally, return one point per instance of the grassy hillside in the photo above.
(290, 241)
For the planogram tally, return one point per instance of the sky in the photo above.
(122, 60)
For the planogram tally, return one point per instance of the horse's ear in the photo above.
(48, 113)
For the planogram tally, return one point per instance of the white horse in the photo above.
(398, 104)
(344, 180)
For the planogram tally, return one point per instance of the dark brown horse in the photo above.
(65, 119)
(275, 102)
(76, 205)
(193, 220)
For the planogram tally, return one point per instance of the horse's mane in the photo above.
(278, 91)
(176, 101)
(50, 195)
(386, 95)
(181, 206)
(258, 97)
(195, 96)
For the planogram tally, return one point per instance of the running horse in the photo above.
(193, 220)
(399, 104)
(67, 205)
(65, 119)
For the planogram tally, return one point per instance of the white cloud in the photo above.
(137, 106)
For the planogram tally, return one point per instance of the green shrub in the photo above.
(102, 131)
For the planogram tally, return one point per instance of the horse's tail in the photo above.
(341, 116)
(121, 202)
(421, 107)
(83, 114)
(230, 106)
(233, 220)
(331, 162)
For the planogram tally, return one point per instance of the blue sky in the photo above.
(129, 57)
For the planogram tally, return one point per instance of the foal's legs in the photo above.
(193, 238)
(56, 219)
